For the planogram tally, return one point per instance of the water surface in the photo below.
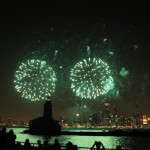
(110, 142)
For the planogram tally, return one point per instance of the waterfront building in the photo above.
(45, 124)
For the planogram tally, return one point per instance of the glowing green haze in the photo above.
(35, 80)
(91, 78)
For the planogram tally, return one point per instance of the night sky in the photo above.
(27, 28)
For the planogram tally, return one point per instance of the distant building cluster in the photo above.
(13, 122)
(108, 119)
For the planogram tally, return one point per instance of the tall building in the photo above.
(136, 116)
(0, 119)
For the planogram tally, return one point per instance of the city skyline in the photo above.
(119, 36)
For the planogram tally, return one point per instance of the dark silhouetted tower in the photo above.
(48, 110)
(45, 124)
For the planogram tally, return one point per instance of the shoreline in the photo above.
(102, 132)
(94, 131)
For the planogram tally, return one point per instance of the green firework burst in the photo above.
(91, 78)
(35, 80)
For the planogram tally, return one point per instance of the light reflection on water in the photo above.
(110, 142)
